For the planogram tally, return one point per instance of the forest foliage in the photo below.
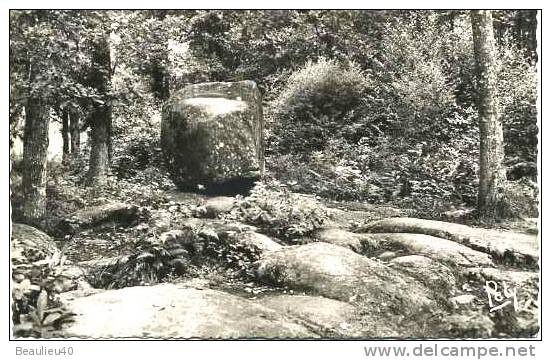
(377, 106)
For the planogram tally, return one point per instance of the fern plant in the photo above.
(43, 319)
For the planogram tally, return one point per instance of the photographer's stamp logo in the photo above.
(501, 296)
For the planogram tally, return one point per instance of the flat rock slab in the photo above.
(119, 214)
(517, 278)
(333, 317)
(172, 311)
(219, 205)
(441, 250)
(345, 238)
(504, 246)
(351, 215)
(431, 273)
(258, 242)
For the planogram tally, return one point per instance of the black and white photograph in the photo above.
(274, 174)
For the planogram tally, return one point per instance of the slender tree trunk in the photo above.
(160, 85)
(35, 153)
(109, 124)
(74, 129)
(492, 178)
(100, 124)
(99, 152)
(159, 74)
(65, 133)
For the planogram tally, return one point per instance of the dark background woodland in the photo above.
(376, 106)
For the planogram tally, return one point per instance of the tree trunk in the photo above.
(100, 124)
(99, 152)
(74, 129)
(35, 154)
(159, 82)
(492, 177)
(159, 74)
(65, 133)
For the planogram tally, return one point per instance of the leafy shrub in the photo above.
(179, 253)
(279, 212)
(387, 170)
(36, 312)
(41, 319)
(417, 79)
(136, 150)
(412, 137)
(149, 263)
(518, 95)
(522, 198)
(318, 100)
(233, 255)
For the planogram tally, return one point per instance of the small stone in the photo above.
(387, 255)
(216, 206)
(18, 277)
(464, 299)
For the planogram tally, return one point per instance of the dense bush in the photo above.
(280, 212)
(522, 198)
(136, 134)
(150, 263)
(318, 101)
(518, 95)
(409, 134)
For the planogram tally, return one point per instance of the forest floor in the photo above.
(150, 261)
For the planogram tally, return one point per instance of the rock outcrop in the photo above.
(441, 250)
(504, 246)
(29, 244)
(328, 316)
(434, 275)
(115, 213)
(216, 206)
(338, 273)
(172, 311)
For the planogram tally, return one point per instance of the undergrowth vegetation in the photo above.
(405, 130)
(372, 111)
(279, 212)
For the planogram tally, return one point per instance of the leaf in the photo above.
(41, 305)
(22, 328)
(24, 286)
(51, 318)
(144, 255)
(33, 315)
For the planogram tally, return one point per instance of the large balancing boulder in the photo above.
(211, 136)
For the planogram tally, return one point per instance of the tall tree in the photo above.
(30, 65)
(159, 61)
(35, 152)
(101, 119)
(492, 175)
